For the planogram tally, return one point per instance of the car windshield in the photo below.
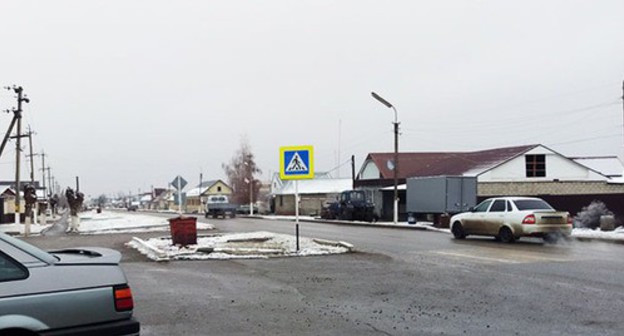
(532, 204)
(30, 249)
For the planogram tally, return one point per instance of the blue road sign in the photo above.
(296, 162)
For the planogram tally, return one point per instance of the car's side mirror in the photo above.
(471, 209)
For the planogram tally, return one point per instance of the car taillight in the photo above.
(123, 298)
(529, 219)
(570, 220)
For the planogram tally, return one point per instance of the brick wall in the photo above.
(486, 189)
(310, 205)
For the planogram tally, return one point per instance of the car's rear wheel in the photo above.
(505, 235)
(458, 231)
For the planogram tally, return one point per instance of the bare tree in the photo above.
(241, 173)
(102, 200)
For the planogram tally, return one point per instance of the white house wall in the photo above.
(370, 171)
(557, 168)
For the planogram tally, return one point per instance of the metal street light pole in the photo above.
(251, 184)
(251, 197)
(396, 155)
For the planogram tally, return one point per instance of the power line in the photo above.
(339, 166)
(518, 119)
(575, 116)
(586, 139)
(551, 97)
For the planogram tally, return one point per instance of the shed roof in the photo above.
(207, 184)
(316, 186)
(610, 166)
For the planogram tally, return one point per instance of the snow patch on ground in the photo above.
(617, 234)
(238, 246)
(115, 222)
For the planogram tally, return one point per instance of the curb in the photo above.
(344, 244)
(350, 223)
(160, 255)
(408, 227)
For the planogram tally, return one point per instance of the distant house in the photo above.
(145, 200)
(7, 200)
(313, 193)
(7, 206)
(160, 199)
(532, 170)
(196, 197)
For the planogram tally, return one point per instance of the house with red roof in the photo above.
(531, 170)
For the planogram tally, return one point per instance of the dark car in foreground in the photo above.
(78, 291)
(509, 218)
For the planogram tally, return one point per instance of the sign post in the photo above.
(179, 183)
(296, 163)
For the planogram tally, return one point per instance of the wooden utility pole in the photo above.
(43, 169)
(50, 180)
(32, 174)
(18, 115)
(18, 150)
(31, 156)
(18, 183)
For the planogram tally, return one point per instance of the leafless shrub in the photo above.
(589, 216)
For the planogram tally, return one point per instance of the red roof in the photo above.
(447, 163)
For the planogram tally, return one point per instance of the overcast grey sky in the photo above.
(129, 94)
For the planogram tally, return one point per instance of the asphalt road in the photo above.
(398, 282)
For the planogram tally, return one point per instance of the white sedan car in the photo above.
(509, 218)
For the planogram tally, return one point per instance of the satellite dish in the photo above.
(390, 164)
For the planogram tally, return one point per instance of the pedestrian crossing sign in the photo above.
(296, 162)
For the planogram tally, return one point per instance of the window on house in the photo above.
(218, 189)
(535, 165)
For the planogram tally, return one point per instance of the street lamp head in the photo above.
(381, 100)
